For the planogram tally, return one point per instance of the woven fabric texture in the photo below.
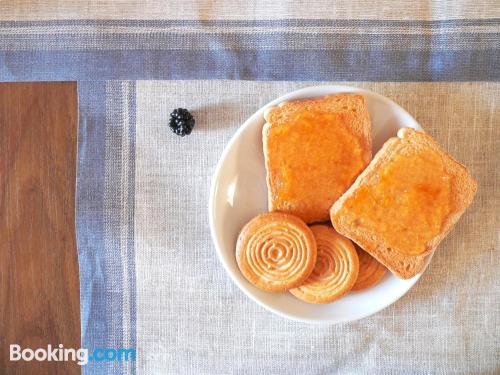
(149, 274)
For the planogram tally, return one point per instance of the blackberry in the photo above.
(181, 122)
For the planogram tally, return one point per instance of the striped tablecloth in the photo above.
(150, 278)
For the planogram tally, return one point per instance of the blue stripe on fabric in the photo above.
(90, 215)
(320, 65)
(431, 54)
(132, 103)
(259, 23)
(105, 256)
(115, 287)
(119, 217)
(258, 40)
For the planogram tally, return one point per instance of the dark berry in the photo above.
(181, 122)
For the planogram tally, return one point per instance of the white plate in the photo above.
(239, 193)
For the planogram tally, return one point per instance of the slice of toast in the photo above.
(405, 202)
(314, 149)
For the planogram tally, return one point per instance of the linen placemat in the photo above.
(174, 301)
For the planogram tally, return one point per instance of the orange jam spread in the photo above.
(408, 205)
(316, 158)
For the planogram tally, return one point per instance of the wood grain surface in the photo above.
(39, 284)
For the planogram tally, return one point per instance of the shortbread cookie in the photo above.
(370, 271)
(336, 269)
(276, 251)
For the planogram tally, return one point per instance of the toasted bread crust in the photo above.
(463, 191)
(351, 108)
(340, 103)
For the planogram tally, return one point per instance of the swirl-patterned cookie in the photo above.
(370, 271)
(276, 251)
(336, 269)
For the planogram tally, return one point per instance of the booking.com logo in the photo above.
(61, 354)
